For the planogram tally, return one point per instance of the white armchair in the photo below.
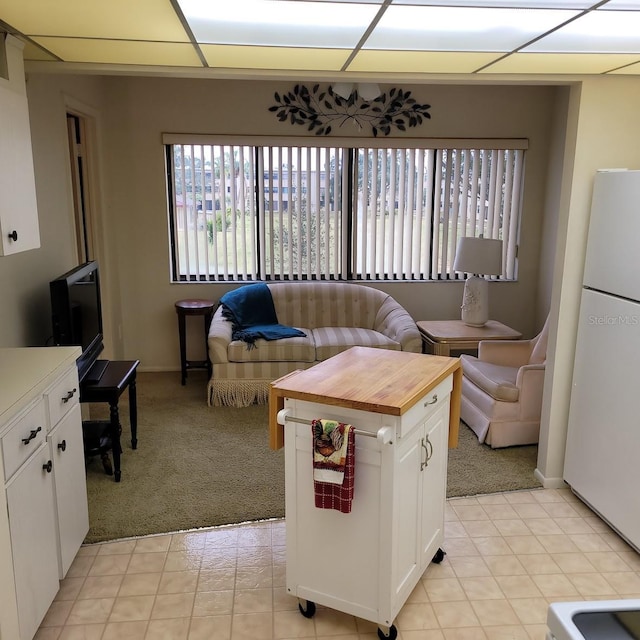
(502, 390)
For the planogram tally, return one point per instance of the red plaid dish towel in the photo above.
(333, 464)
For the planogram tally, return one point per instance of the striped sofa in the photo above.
(334, 316)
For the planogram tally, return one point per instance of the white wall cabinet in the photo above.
(19, 226)
(44, 518)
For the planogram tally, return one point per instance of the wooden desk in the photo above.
(118, 376)
(440, 337)
(375, 380)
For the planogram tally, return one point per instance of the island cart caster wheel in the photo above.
(439, 557)
(391, 634)
(308, 610)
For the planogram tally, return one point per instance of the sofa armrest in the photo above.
(394, 321)
(506, 353)
(219, 338)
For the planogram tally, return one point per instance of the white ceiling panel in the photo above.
(461, 29)
(278, 22)
(332, 36)
(595, 32)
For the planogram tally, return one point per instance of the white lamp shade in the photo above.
(479, 256)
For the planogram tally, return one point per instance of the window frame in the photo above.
(349, 251)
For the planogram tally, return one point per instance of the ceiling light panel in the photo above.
(122, 19)
(594, 32)
(420, 61)
(423, 28)
(279, 22)
(121, 52)
(566, 63)
(506, 4)
(279, 58)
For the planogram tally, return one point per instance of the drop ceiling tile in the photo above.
(420, 61)
(566, 63)
(284, 58)
(594, 32)
(422, 28)
(278, 22)
(507, 4)
(122, 19)
(122, 52)
(630, 70)
(33, 52)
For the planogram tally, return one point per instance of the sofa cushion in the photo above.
(333, 340)
(498, 381)
(298, 349)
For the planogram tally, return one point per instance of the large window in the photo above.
(241, 211)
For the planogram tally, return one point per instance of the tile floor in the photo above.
(508, 556)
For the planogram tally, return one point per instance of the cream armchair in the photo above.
(502, 390)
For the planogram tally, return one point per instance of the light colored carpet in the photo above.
(199, 466)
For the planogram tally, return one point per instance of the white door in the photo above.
(434, 484)
(67, 454)
(603, 439)
(32, 525)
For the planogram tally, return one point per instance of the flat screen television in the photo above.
(76, 314)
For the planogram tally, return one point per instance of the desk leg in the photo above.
(133, 411)
(183, 346)
(115, 439)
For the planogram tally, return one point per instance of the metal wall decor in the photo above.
(321, 110)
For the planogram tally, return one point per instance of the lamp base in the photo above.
(475, 302)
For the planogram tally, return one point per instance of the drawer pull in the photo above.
(32, 435)
(433, 400)
(47, 467)
(62, 445)
(69, 395)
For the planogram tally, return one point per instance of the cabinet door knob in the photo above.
(69, 395)
(47, 467)
(13, 235)
(32, 435)
(62, 445)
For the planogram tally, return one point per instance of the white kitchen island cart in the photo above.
(405, 409)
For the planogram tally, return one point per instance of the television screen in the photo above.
(76, 313)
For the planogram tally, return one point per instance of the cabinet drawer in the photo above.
(62, 396)
(23, 438)
(426, 406)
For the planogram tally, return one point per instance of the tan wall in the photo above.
(603, 133)
(24, 277)
(138, 112)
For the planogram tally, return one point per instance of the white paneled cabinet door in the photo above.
(32, 525)
(420, 489)
(433, 478)
(18, 205)
(70, 486)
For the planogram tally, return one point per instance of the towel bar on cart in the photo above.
(383, 435)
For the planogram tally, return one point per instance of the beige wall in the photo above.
(24, 277)
(603, 132)
(138, 110)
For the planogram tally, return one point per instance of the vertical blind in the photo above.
(247, 212)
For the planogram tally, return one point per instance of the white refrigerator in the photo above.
(602, 462)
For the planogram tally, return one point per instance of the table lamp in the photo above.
(477, 256)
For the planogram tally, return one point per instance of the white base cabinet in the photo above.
(45, 514)
(367, 563)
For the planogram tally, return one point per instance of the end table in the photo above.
(440, 337)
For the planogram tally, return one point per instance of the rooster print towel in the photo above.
(333, 464)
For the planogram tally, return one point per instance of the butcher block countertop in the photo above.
(367, 379)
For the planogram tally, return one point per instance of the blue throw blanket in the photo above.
(250, 309)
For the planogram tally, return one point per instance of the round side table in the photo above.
(193, 307)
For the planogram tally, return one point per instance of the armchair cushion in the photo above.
(496, 380)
